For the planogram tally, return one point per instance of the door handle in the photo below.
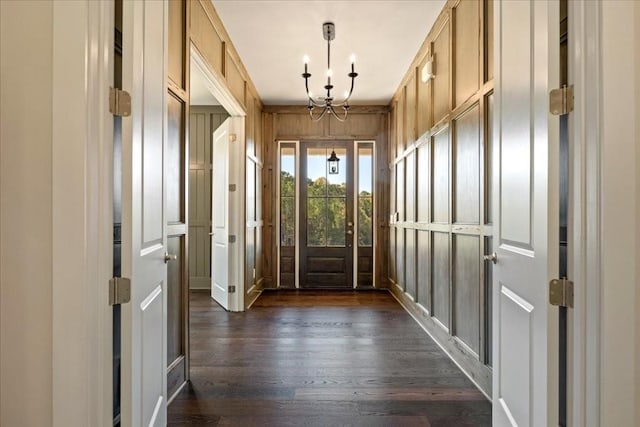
(493, 257)
(349, 224)
(169, 257)
(349, 231)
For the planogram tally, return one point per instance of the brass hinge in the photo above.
(232, 289)
(119, 290)
(561, 101)
(119, 102)
(561, 292)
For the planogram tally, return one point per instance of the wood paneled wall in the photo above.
(440, 198)
(292, 123)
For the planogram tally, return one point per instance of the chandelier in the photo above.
(327, 103)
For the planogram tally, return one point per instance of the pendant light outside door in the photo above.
(334, 163)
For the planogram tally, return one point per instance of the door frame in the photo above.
(236, 171)
(297, 144)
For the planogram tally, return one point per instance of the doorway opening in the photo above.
(325, 214)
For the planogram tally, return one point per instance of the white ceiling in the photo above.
(272, 36)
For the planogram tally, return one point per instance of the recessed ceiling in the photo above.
(272, 36)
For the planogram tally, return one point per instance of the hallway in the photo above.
(320, 358)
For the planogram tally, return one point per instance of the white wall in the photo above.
(620, 398)
(26, 213)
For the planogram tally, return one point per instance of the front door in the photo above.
(144, 217)
(326, 215)
(525, 391)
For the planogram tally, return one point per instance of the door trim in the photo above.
(376, 235)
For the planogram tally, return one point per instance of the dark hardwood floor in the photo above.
(320, 358)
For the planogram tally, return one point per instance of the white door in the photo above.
(219, 216)
(526, 235)
(144, 235)
(228, 215)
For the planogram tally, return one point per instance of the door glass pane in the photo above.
(287, 196)
(287, 221)
(317, 171)
(288, 171)
(365, 196)
(337, 211)
(316, 221)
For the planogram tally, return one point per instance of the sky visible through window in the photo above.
(287, 163)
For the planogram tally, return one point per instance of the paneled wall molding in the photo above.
(440, 205)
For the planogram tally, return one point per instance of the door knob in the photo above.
(493, 257)
(349, 224)
(349, 231)
(169, 257)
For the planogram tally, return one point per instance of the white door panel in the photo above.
(219, 206)
(228, 214)
(526, 182)
(143, 215)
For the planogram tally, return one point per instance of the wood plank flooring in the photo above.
(320, 358)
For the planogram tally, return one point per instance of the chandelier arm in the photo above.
(340, 119)
(320, 116)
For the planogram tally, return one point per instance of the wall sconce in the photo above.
(428, 72)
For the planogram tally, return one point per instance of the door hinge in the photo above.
(561, 101)
(561, 292)
(119, 102)
(232, 289)
(119, 290)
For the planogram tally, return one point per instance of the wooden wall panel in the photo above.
(440, 276)
(423, 256)
(466, 290)
(293, 125)
(440, 177)
(401, 122)
(358, 126)
(410, 111)
(410, 263)
(175, 208)
(423, 168)
(488, 161)
(410, 190)
(441, 81)
(400, 258)
(488, 51)
(250, 125)
(235, 81)
(467, 50)
(205, 37)
(176, 42)
(423, 102)
(400, 191)
(467, 167)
